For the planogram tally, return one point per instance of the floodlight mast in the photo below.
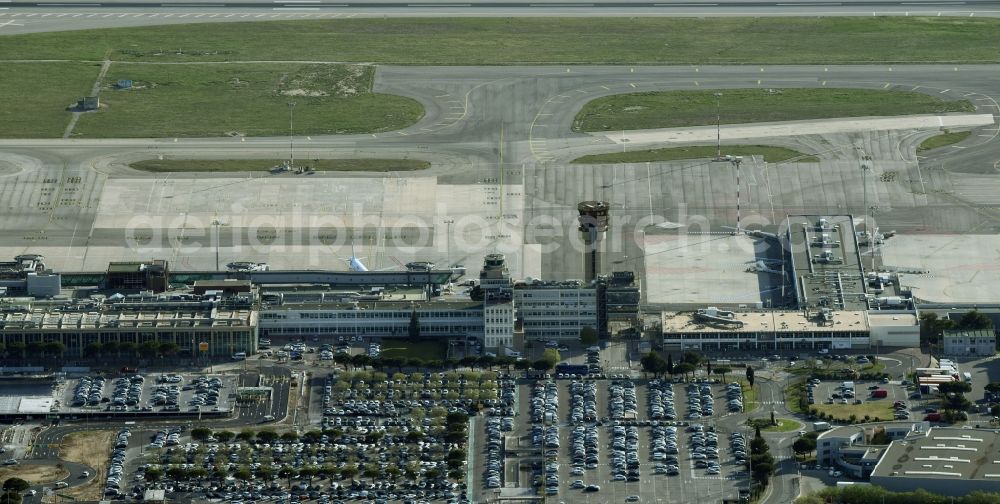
(291, 138)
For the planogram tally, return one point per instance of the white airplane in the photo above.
(354, 262)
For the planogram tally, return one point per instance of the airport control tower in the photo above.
(593, 227)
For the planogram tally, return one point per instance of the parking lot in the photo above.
(166, 393)
(607, 440)
(858, 398)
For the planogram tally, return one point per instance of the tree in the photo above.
(267, 436)
(551, 355)
(932, 326)
(993, 387)
(92, 350)
(153, 474)
(722, 371)
(670, 364)
(750, 376)
(974, 320)
(349, 471)
(149, 348)
(691, 357)
(414, 329)
(244, 436)
(708, 367)
(522, 365)
(169, 349)
(224, 436)
(653, 363)
(343, 359)
(125, 347)
(54, 348)
(17, 347)
(773, 421)
(15, 485)
(804, 446)
(10, 498)
(541, 365)
(200, 433)
(290, 436)
(588, 336)
(684, 368)
(361, 360)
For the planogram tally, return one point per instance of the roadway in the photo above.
(36, 16)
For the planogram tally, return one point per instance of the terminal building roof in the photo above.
(826, 262)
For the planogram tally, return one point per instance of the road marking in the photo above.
(606, 88)
(915, 88)
(886, 85)
(824, 83)
(696, 83)
(631, 84)
(758, 82)
(945, 91)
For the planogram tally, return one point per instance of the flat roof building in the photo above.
(826, 262)
(767, 330)
(961, 342)
(942, 460)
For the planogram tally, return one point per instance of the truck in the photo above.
(821, 426)
(880, 393)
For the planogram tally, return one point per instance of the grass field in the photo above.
(946, 138)
(426, 350)
(784, 425)
(243, 99)
(671, 109)
(38, 94)
(874, 409)
(243, 165)
(472, 41)
(771, 154)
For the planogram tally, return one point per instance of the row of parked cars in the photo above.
(699, 401)
(494, 453)
(113, 485)
(128, 391)
(88, 391)
(661, 401)
(621, 400)
(585, 448)
(734, 397)
(738, 444)
(663, 449)
(624, 453)
(704, 448)
(544, 402)
(582, 402)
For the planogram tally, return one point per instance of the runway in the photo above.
(32, 17)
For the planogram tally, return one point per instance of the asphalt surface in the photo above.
(510, 127)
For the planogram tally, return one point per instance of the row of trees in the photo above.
(35, 348)
(130, 349)
(363, 361)
(761, 462)
(656, 365)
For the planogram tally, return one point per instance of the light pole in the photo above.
(447, 238)
(718, 125)
(216, 222)
(291, 139)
